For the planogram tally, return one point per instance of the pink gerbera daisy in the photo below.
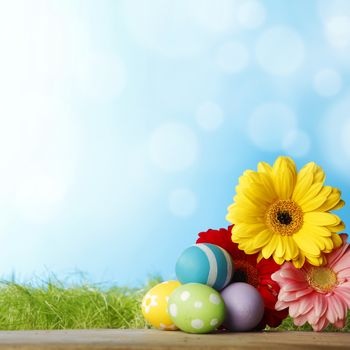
(319, 295)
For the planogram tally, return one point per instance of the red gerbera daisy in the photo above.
(248, 270)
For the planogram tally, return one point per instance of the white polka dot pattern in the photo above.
(214, 299)
(197, 323)
(185, 295)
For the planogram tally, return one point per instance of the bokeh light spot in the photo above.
(173, 147)
(251, 14)
(216, 16)
(297, 143)
(333, 8)
(334, 136)
(338, 31)
(270, 124)
(232, 57)
(209, 116)
(327, 82)
(280, 50)
(180, 28)
(182, 202)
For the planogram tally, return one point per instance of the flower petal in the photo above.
(268, 249)
(312, 203)
(248, 246)
(305, 305)
(340, 205)
(321, 219)
(251, 184)
(299, 261)
(321, 324)
(291, 248)
(280, 305)
(317, 230)
(309, 174)
(280, 247)
(311, 193)
(336, 309)
(284, 174)
(337, 241)
(340, 323)
(262, 238)
(320, 306)
(300, 320)
(339, 255)
(315, 260)
(332, 201)
(278, 260)
(341, 306)
(344, 292)
(248, 193)
(303, 292)
(264, 167)
(332, 313)
(338, 228)
(247, 230)
(292, 273)
(238, 214)
(294, 286)
(342, 263)
(306, 243)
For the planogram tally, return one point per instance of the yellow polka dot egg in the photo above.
(155, 305)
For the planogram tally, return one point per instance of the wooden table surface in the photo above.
(152, 339)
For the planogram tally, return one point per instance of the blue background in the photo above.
(124, 125)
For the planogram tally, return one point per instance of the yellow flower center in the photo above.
(284, 217)
(322, 279)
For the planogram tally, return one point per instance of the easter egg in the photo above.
(205, 263)
(196, 308)
(244, 307)
(155, 305)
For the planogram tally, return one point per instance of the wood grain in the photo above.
(160, 340)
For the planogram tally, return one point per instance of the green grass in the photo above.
(52, 305)
(288, 325)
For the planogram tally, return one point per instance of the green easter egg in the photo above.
(196, 308)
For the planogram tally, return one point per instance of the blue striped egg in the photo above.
(205, 263)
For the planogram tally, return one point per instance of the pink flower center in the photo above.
(284, 217)
(322, 279)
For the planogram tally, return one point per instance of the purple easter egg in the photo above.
(244, 307)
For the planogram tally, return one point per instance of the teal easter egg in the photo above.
(196, 308)
(205, 263)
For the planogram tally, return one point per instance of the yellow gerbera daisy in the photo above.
(284, 214)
